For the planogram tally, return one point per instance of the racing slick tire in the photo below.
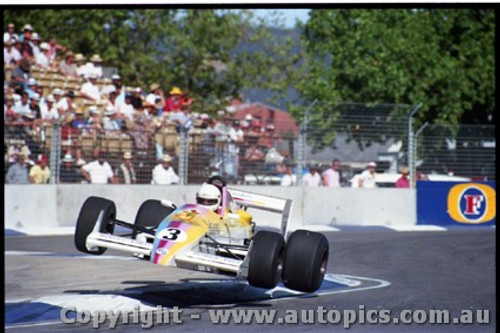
(87, 219)
(306, 257)
(266, 259)
(150, 214)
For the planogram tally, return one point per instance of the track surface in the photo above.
(452, 270)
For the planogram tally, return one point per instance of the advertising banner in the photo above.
(456, 203)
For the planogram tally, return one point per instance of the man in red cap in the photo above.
(40, 173)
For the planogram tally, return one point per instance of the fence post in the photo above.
(55, 152)
(301, 149)
(183, 155)
(411, 162)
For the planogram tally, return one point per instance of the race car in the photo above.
(217, 236)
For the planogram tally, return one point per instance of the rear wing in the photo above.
(264, 202)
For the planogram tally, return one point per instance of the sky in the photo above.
(290, 15)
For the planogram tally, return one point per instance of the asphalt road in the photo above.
(450, 270)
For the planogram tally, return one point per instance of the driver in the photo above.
(209, 197)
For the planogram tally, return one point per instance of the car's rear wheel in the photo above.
(306, 258)
(87, 219)
(150, 214)
(266, 259)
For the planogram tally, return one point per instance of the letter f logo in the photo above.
(473, 203)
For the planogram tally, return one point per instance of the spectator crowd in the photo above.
(103, 107)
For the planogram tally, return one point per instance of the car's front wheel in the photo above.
(87, 219)
(150, 214)
(266, 259)
(306, 257)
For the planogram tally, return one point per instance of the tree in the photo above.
(443, 58)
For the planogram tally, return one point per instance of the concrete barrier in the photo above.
(31, 207)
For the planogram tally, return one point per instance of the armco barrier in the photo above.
(456, 204)
(33, 206)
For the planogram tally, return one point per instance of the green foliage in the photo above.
(443, 58)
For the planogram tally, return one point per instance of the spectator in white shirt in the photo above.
(48, 109)
(94, 66)
(80, 65)
(90, 90)
(10, 33)
(367, 178)
(98, 171)
(11, 55)
(312, 178)
(155, 94)
(42, 58)
(127, 109)
(35, 44)
(163, 173)
(111, 121)
(332, 176)
(288, 179)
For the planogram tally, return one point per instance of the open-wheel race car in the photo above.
(215, 236)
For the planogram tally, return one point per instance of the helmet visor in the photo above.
(206, 202)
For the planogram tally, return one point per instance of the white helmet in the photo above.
(209, 196)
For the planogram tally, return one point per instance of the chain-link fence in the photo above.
(457, 150)
(255, 147)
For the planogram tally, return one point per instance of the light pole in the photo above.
(303, 143)
(410, 142)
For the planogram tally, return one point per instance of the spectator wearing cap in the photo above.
(48, 110)
(21, 74)
(57, 94)
(90, 90)
(332, 177)
(32, 84)
(367, 177)
(137, 98)
(35, 44)
(174, 101)
(67, 170)
(111, 120)
(35, 107)
(164, 173)
(80, 65)
(11, 55)
(98, 171)
(115, 81)
(94, 66)
(267, 138)
(403, 181)
(18, 172)
(26, 48)
(95, 120)
(10, 33)
(125, 173)
(55, 48)
(312, 177)
(156, 93)
(68, 66)
(40, 173)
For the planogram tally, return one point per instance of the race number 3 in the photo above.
(173, 235)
